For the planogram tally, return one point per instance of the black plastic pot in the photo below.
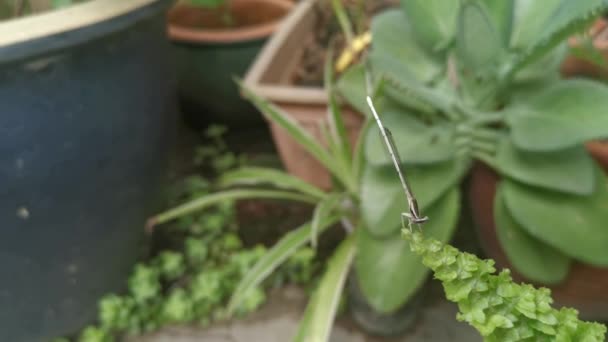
(378, 323)
(87, 112)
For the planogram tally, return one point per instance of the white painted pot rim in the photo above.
(38, 26)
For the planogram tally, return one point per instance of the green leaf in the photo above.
(478, 42)
(295, 131)
(280, 252)
(338, 131)
(433, 21)
(383, 200)
(208, 3)
(502, 14)
(532, 258)
(323, 210)
(61, 3)
(571, 170)
(343, 20)
(417, 142)
(359, 161)
(387, 271)
(351, 86)
(395, 50)
(575, 225)
(228, 195)
(569, 18)
(276, 178)
(530, 20)
(318, 323)
(569, 113)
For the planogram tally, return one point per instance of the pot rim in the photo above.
(254, 32)
(50, 31)
(36, 26)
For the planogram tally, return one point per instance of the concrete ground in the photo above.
(277, 321)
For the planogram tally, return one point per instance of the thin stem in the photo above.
(343, 20)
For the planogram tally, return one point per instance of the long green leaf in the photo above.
(228, 195)
(532, 258)
(383, 200)
(280, 252)
(343, 20)
(323, 210)
(571, 170)
(387, 270)
(295, 131)
(569, 113)
(320, 320)
(276, 178)
(575, 225)
(334, 113)
(359, 161)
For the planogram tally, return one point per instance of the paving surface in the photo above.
(277, 322)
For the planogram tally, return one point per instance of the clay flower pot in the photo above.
(271, 76)
(211, 50)
(585, 286)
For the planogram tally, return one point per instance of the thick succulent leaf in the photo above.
(532, 258)
(575, 225)
(351, 86)
(502, 14)
(275, 256)
(546, 68)
(478, 41)
(567, 114)
(530, 20)
(383, 200)
(433, 21)
(417, 142)
(268, 176)
(387, 271)
(569, 18)
(395, 50)
(571, 170)
(317, 323)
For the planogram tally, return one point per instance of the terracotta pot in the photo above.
(585, 286)
(574, 66)
(209, 54)
(271, 77)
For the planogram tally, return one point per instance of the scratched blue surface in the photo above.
(86, 120)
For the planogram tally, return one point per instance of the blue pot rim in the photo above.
(40, 34)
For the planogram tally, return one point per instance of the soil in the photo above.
(327, 32)
(247, 14)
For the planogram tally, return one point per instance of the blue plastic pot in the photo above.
(87, 112)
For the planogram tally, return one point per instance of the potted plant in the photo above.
(88, 110)
(289, 73)
(216, 40)
(371, 263)
(464, 84)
